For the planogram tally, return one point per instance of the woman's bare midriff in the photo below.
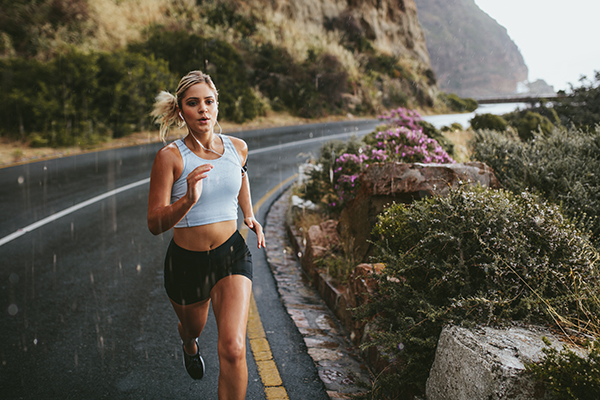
(204, 237)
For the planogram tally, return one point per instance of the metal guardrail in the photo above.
(519, 99)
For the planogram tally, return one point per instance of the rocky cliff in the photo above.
(471, 53)
(392, 26)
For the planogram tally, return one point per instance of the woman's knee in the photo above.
(232, 349)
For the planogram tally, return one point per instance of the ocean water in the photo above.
(448, 119)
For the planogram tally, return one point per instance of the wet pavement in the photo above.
(336, 359)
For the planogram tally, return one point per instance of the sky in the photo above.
(557, 38)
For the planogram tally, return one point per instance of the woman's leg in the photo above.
(231, 301)
(192, 319)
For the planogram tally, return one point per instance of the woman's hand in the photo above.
(194, 182)
(253, 224)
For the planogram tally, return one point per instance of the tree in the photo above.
(582, 107)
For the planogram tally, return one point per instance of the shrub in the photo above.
(79, 98)
(453, 127)
(458, 104)
(489, 121)
(187, 52)
(321, 187)
(403, 141)
(27, 23)
(310, 89)
(475, 257)
(528, 123)
(567, 375)
(581, 108)
(411, 119)
(225, 14)
(563, 167)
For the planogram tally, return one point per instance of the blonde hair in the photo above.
(166, 106)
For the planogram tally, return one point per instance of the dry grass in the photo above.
(460, 140)
(119, 23)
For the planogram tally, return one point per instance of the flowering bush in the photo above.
(402, 144)
(401, 140)
(402, 117)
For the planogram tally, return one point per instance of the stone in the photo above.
(301, 205)
(361, 283)
(320, 240)
(486, 363)
(384, 183)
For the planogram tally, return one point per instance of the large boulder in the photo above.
(486, 363)
(384, 183)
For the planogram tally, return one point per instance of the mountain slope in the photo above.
(471, 54)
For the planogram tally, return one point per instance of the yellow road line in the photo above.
(267, 369)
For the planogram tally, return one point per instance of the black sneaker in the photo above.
(194, 365)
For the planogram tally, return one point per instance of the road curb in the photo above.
(337, 361)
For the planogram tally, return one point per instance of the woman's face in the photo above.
(199, 108)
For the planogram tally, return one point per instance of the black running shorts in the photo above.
(191, 275)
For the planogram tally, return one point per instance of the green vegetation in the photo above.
(567, 375)
(311, 89)
(458, 104)
(475, 257)
(106, 59)
(582, 107)
(489, 121)
(402, 139)
(186, 52)
(528, 123)
(79, 98)
(563, 167)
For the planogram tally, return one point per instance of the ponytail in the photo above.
(165, 113)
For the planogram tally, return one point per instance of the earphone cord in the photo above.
(205, 149)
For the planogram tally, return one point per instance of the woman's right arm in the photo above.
(162, 215)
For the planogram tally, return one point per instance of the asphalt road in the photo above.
(83, 310)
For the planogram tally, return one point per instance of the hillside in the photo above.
(471, 54)
(312, 59)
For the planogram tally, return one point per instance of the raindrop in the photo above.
(35, 341)
(20, 180)
(138, 268)
(13, 309)
(400, 346)
(92, 278)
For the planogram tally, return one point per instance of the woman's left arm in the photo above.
(244, 197)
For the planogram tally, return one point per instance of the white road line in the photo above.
(315, 139)
(96, 199)
(69, 210)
